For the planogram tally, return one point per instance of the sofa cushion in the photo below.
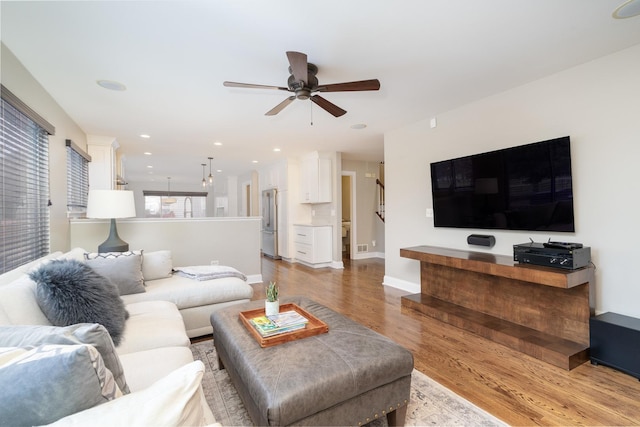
(171, 401)
(186, 293)
(156, 265)
(15, 274)
(123, 271)
(82, 333)
(19, 305)
(75, 253)
(69, 291)
(153, 324)
(157, 362)
(43, 384)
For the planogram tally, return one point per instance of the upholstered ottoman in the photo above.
(348, 376)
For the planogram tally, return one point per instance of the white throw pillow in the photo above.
(156, 265)
(174, 400)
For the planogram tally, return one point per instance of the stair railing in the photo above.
(380, 191)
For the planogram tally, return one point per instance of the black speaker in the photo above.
(615, 342)
(481, 240)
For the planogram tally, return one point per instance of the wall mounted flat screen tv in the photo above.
(527, 187)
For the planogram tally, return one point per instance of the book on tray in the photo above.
(287, 321)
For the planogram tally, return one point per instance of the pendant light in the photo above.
(210, 176)
(169, 200)
(204, 181)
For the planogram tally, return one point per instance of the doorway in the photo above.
(349, 223)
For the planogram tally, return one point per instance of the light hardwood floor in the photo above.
(514, 387)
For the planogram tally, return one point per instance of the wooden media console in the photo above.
(541, 311)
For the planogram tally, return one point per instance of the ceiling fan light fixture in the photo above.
(303, 94)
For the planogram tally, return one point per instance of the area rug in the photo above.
(430, 403)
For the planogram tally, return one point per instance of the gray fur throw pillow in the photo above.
(70, 292)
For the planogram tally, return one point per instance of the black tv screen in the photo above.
(520, 188)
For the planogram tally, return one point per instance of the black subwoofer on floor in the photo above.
(615, 342)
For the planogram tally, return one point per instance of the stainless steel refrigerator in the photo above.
(270, 223)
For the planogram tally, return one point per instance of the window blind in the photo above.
(24, 187)
(77, 180)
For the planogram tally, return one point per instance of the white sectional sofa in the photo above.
(152, 360)
(195, 299)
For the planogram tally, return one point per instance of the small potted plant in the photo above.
(272, 305)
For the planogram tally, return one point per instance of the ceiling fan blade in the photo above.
(331, 108)
(373, 84)
(275, 110)
(298, 62)
(252, 86)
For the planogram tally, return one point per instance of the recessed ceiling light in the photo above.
(219, 170)
(217, 143)
(111, 85)
(147, 153)
(254, 161)
(628, 9)
(149, 167)
(277, 150)
(145, 136)
(358, 126)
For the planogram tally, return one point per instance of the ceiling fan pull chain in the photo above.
(311, 111)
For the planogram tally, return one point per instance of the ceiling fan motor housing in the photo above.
(303, 89)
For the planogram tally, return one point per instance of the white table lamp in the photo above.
(111, 204)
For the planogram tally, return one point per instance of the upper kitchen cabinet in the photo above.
(102, 169)
(315, 179)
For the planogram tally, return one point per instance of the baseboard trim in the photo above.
(403, 285)
(338, 265)
(254, 278)
(367, 255)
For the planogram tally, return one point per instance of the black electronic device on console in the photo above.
(562, 245)
(569, 256)
(481, 240)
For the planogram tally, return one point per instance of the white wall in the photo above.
(197, 241)
(21, 83)
(598, 105)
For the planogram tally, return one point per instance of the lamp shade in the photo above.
(111, 204)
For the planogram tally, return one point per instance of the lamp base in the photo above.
(113, 243)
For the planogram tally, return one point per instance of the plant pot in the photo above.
(271, 307)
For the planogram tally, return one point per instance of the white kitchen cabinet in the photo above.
(313, 244)
(102, 168)
(315, 180)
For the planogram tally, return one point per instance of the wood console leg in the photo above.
(220, 364)
(397, 417)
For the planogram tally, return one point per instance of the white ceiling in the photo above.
(429, 55)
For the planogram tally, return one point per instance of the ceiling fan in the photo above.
(303, 83)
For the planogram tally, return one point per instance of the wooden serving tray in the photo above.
(314, 327)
